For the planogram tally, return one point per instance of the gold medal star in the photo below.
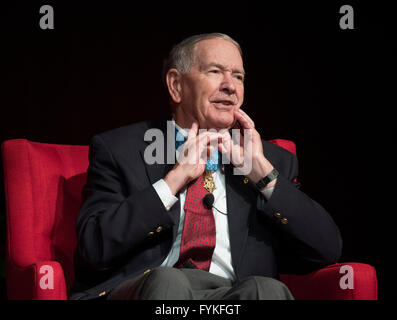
(209, 183)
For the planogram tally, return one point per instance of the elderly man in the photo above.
(195, 229)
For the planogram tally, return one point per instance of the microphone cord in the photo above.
(208, 201)
(219, 210)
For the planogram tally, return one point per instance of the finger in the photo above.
(244, 123)
(198, 146)
(221, 148)
(210, 142)
(232, 151)
(210, 151)
(195, 146)
(193, 131)
(246, 117)
(205, 154)
(208, 137)
(225, 144)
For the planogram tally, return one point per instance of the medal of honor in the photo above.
(209, 183)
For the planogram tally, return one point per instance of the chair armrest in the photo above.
(333, 283)
(43, 280)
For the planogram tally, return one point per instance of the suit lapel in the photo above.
(157, 171)
(238, 209)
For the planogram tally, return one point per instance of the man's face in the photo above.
(214, 87)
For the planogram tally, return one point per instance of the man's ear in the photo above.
(173, 79)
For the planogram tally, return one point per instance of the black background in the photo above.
(307, 80)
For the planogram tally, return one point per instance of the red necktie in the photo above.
(199, 234)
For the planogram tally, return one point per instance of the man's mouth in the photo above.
(223, 102)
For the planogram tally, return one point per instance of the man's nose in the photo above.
(227, 85)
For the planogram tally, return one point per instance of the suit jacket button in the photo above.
(146, 271)
(102, 294)
(150, 234)
(284, 220)
(277, 215)
(245, 180)
(159, 228)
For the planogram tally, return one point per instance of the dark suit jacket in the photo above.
(118, 224)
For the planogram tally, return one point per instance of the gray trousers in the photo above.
(166, 283)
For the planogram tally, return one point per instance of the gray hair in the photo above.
(181, 56)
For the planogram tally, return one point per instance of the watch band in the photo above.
(266, 180)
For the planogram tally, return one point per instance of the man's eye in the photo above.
(214, 71)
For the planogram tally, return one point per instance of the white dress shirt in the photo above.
(221, 263)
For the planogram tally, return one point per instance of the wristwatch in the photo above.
(266, 180)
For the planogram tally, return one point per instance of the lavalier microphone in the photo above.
(208, 201)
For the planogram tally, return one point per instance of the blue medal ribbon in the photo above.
(212, 163)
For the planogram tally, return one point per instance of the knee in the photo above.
(167, 283)
(167, 275)
(264, 288)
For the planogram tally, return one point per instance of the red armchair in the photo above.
(43, 185)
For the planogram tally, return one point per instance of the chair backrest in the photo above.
(43, 184)
(286, 144)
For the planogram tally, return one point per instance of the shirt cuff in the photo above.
(165, 194)
(267, 192)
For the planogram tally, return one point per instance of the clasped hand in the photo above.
(246, 154)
